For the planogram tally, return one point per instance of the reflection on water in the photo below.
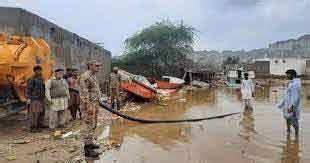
(169, 134)
(253, 136)
(291, 151)
(247, 124)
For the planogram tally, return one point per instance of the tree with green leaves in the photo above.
(160, 49)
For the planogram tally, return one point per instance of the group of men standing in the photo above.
(57, 93)
(69, 92)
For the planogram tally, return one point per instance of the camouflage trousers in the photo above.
(114, 92)
(90, 112)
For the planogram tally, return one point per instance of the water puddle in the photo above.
(255, 136)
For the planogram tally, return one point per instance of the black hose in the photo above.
(108, 108)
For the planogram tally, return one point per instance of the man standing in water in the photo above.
(291, 103)
(90, 94)
(247, 91)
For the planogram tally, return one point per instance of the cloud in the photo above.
(222, 24)
(242, 3)
(233, 4)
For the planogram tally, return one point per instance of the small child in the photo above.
(291, 103)
(247, 91)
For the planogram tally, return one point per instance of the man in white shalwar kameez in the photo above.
(57, 94)
(291, 103)
(247, 91)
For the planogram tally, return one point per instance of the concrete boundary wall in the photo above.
(68, 48)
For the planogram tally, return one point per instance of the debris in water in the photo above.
(57, 134)
(21, 141)
(67, 134)
(143, 80)
(110, 144)
(46, 137)
(163, 104)
(11, 157)
(131, 107)
(182, 100)
(189, 88)
(166, 92)
(200, 84)
(162, 98)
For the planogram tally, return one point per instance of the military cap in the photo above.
(93, 62)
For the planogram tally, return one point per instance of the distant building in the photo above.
(235, 76)
(262, 67)
(250, 67)
(302, 42)
(278, 66)
(229, 67)
(68, 48)
(198, 74)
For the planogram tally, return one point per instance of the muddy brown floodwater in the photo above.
(258, 136)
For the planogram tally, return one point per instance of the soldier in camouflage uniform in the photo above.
(114, 81)
(90, 94)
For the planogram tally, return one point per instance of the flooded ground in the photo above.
(258, 136)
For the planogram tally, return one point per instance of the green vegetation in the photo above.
(160, 49)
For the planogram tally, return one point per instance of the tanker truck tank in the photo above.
(18, 56)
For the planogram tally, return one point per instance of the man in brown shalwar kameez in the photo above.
(74, 102)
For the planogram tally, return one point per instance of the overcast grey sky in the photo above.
(222, 24)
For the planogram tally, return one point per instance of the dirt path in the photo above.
(18, 145)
